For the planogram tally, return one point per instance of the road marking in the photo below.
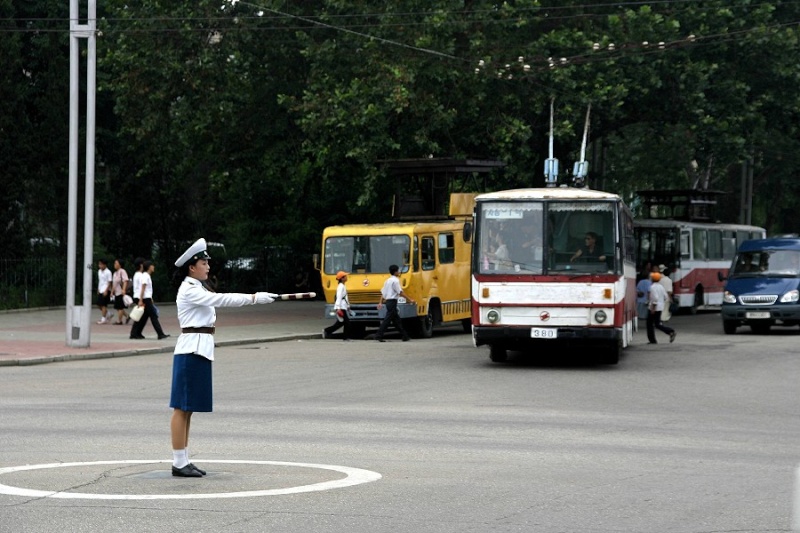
(796, 507)
(354, 476)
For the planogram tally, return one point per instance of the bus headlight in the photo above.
(791, 296)
(493, 316)
(600, 316)
(728, 298)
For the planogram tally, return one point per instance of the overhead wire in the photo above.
(543, 12)
(539, 63)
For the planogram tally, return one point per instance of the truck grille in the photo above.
(758, 299)
(364, 297)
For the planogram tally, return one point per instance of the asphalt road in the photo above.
(698, 436)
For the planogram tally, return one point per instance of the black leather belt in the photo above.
(199, 330)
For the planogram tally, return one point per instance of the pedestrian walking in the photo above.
(657, 300)
(390, 292)
(119, 286)
(103, 289)
(643, 293)
(341, 308)
(666, 281)
(145, 300)
(194, 351)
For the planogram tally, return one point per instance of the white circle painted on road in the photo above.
(354, 476)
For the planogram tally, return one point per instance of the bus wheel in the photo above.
(467, 325)
(698, 300)
(729, 326)
(498, 354)
(424, 327)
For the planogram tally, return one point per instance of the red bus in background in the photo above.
(695, 253)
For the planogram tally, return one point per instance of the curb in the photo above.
(145, 351)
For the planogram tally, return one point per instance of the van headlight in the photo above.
(600, 316)
(790, 297)
(493, 316)
(728, 298)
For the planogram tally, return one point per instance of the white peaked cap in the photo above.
(195, 251)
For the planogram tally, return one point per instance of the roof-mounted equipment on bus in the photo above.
(551, 163)
(581, 168)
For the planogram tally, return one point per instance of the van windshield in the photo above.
(785, 263)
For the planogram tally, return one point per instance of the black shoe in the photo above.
(186, 471)
(203, 472)
(406, 339)
(137, 337)
(672, 336)
(164, 336)
(379, 339)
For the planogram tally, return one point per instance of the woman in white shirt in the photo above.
(136, 329)
(194, 351)
(342, 309)
(145, 296)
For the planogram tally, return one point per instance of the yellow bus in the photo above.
(434, 261)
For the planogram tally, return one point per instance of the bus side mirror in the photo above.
(467, 231)
(721, 276)
(315, 259)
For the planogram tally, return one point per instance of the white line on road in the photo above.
(354, 476)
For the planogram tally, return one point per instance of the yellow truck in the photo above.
(434, 259)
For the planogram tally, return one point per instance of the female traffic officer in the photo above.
(194, 351)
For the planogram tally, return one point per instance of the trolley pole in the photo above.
(79, 317)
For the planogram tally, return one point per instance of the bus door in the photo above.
(425, 280)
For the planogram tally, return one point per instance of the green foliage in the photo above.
(259, 126)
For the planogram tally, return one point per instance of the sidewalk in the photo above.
(36, 336)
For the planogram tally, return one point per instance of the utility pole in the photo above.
(746, 203)
(79, 317)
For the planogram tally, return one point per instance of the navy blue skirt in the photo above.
(191, 384)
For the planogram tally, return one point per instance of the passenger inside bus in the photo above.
(591, 250)
(531, 249)
(500, 255)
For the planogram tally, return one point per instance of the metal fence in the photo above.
(42, 281)
(32, 282)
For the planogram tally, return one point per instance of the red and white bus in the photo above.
(553, 267)
(695, 253)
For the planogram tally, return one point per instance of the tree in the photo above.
(33, 126)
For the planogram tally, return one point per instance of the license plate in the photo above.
(544, 333)
(757, 314)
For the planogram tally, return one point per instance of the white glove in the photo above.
(263, 298)
(274, 296)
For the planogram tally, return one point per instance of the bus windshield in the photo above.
(535, 237)
(781, 263)
(366, 254)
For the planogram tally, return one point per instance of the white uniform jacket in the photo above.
(342, 301)
(196, 310)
